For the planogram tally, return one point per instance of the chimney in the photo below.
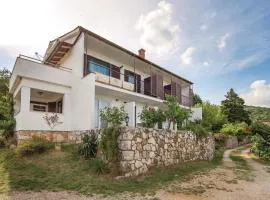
(142, 53)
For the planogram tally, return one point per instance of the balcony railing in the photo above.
(134, 82)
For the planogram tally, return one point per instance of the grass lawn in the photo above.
(64, 170)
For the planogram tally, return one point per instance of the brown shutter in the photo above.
(52, 107)
(154, 85)
(159, 86)
(85, 67)
(178, 93)
(173, 92)
(147, 86)
(126, 72)
(115, 71)
(190, 97)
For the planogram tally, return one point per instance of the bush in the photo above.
(238, 129)
(2, 142)
(150, 117)
(89, 146)
(113, 116)
(35, 146)
(97, 166)
(261, 140)
(108, 143)
(198, 129)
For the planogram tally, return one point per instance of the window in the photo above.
(40, 108)
(131, 78)
(101, 67)
(60, 106)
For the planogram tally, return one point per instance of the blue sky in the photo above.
(216, 44)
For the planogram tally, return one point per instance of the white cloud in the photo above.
(222, 42)
(203, 27)
(258, 94)
(159, 32)
(186, 57)
(205, 63)
(213, 15)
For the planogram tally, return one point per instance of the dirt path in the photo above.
(219, 184)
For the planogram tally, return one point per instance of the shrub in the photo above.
(89, 146)
(261, 140)
(35, 146)
(150, 117)
(198, 129)
(2, 142)
(238, 129)
(113, 116)
(108, 143)
(97, 166)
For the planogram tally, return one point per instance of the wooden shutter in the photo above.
(85, 67)
(178, 93)
(159, 86)
(126, 72)
(147, 86)
(115, 71)
(52, 107)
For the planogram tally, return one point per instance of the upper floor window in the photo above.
(99, 67)
(131, 78)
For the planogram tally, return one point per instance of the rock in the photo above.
(125, 145)
(127, 155)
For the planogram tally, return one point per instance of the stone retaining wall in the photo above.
(53, 136)
(141, 148)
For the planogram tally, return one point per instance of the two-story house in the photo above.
(82, 73)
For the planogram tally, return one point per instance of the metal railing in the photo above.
(132, 83)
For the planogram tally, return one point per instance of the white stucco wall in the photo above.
(196, 114)
(83, 90)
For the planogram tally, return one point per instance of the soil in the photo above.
(221, 183)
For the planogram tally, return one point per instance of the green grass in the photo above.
(243, 170)
(64, 170)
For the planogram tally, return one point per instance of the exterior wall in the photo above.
(83, 89)
(140, 149)
(196, 114)
(33, 70)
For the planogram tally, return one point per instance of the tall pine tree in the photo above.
(233, 108)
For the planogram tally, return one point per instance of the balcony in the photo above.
(152, 86)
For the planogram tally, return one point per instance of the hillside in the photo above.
(258, 113)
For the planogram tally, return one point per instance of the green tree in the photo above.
(234, 108)
(196, 99)
(113, 115)
(212, 117)
(173, 112)
(7, 121)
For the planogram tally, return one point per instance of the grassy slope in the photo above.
(65, 171)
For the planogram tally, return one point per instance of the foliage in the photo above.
(98, 166)
(7, 121)
(261, 140)
(258, 113)
(173, 112)
(198, 129)
(108, 143)
(150, 117)
(113, 115)
(35, 146)
(197, 99)
(2, 142)
(89, 146)
(233, 107)
(236, 129)
(59, 171)
(212, 117)
(52, 120)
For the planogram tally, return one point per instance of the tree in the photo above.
(7, 121)
(212, 117)
(113, 115)
(173, 112)
(233, 107)
(196, 99)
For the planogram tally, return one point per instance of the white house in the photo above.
(82, 73)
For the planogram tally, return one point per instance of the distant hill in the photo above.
(258, 113)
